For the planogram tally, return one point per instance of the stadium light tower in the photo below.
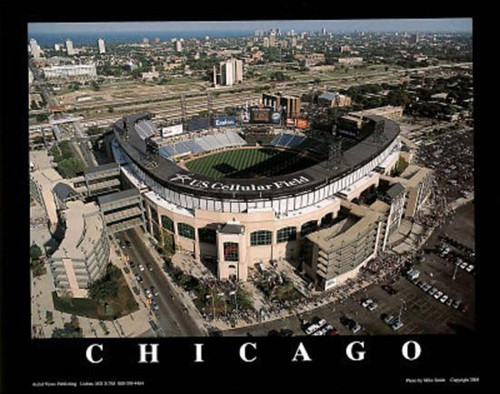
(334, 152)
(183, 108)
(210, 105)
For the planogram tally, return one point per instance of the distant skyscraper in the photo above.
(101, 46)
(178, 46)
(57, 47)
(323, 31)
(69, 48)
(231, 72)
(272, 39)
(265, 43)
(35, 49)
(157, 40)
(145, 40)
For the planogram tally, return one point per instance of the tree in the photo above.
(35, 252)
(101, 289)
(70, 330)
(41, 117)
(95, 85)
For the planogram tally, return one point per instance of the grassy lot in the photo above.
(121, 305)
(248, 163)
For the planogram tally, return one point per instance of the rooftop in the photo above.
(84, 228)
(232, 228)
(101, 168)
(117, 196)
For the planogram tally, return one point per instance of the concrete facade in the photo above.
(83, 254)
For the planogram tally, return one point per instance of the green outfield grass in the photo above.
(249, 163)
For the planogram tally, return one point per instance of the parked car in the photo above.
(333, 331)
(150, 267)
(438, 295)
(443, 298)
(388, 319)
(141, 267)
(389, 289)
(426, 288)
(366, 302)
(131, 264)
(138, 278)
(449, 302)
(469, 268)
(396, 324)
(154, 291)
(432, 291)
(355, 327)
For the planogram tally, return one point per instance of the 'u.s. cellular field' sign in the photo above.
(188, 180)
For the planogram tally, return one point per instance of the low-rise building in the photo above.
(338, 252)
(334, 100)
(76, 71)
(83, 254)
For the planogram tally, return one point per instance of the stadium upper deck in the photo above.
(322, 180)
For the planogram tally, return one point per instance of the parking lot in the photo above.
(421, 313)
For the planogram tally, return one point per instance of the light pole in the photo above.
(455, 272)
(234, 292)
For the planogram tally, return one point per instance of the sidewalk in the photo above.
(42, 287)
(183, 261)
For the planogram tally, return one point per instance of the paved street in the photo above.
(172, 316)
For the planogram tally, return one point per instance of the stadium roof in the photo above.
(175, 178)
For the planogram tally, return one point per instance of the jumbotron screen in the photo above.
(260, 115)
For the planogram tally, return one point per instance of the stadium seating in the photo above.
(298, 142)
(202, 144)
(145, 129)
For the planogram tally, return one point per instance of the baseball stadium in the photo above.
(246, 192)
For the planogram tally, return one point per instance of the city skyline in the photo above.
(452, 25)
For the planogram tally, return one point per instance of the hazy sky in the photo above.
(438, 25)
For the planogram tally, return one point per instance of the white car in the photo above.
(443, 298)
(366, 302)
(373, 305)
(438, 295)
(141, 267)
(463, 265)
(397, 324)
(470, 268)
(356, 328)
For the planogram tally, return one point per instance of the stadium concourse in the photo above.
(325, 205)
